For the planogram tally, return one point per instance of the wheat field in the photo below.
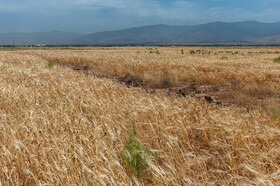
(60, 125)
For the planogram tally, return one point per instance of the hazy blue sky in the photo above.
(87, 16)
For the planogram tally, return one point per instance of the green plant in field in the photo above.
(136, 156)
(276, 112)
(87, 181)
(182, 51)
(224, 57)
(156, 51)
(192, 52)
(50, 64)
(277, 59)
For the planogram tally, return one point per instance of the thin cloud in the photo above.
(97, 15)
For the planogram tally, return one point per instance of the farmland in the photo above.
(207, 115)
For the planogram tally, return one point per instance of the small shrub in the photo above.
(277, 59)
(136, 156)
(192, 52)
(224, 57)
(154, 51)
(182, 51)
(50, 64)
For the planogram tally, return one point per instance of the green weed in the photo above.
(136, 156)
(276, 112)
(224, 57)
(50, 64)
(192, 52)
(277, 59)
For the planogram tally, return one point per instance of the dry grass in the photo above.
(245, 70)
(62, 127)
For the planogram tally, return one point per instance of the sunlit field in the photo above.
(140, 116)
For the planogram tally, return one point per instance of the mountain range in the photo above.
(215, 33)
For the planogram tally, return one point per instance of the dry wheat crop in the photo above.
(59, 126)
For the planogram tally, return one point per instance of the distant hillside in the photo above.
(250, 32)
(246, 33)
